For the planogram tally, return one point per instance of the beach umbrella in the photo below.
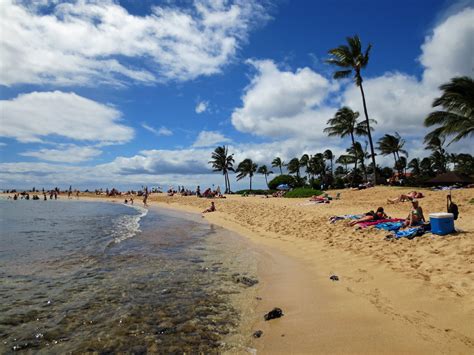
(451, 178)
(283, 187)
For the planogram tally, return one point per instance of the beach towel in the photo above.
(334, 219)
(375, 223)
(389, 226)
(409, 233)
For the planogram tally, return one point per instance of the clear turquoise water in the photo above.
(102, 277)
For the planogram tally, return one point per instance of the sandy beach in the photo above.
(401, 296)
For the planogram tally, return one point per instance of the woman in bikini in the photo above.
(416, 217)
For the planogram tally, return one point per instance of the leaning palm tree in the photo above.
(294, 167)
(390, 144)
(344, 123)
(353, 60)
(278, 163)
(246, 168)
(222, 161)
(264, 171)
(457, 118)
(329, 156)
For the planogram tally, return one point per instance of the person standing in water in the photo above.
(145, 197)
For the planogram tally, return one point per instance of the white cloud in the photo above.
(67, 154)
(283, 103)
(162, 131)
(30, 117)
(88, 42)
(201, 107)
(397, 101)
(209, 139)
(448, 51)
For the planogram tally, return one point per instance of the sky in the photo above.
(131, 93)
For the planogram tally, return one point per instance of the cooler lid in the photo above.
(441, 215)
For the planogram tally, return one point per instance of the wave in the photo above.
(127, 226)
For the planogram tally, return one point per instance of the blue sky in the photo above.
(125, 93)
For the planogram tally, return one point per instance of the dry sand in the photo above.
(402, 296)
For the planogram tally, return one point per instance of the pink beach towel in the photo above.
(373, 223)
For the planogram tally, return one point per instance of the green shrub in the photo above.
(302, 192)
(255, 192)
(281, 179)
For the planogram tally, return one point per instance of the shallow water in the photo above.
(91, 276)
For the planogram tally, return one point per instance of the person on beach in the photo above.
(145, 197)
(408, 197)
(131, 200)
(370, 216)
(416, 217)
(210, 209)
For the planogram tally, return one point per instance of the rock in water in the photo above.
(257, 334)
(274, 313)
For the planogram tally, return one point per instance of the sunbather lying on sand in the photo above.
(319, 199)
(370, 216)
(408, 197)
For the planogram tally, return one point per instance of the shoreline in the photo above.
(377, 306)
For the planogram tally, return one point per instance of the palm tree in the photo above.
(304, 162)
(246, 168)
(294, 167)
(389, 144)
(222, 161)
(457, 118)
(329, 156)
(316, 165)
(278, 163)
(264, 171)
(426, 167)
(344, 123)
(439, 157)
(353, 59)
(414, 165)
(345, 160)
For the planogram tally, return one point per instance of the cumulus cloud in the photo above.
(283, 103)
(210, 138)
(85, 42)
(162, 131)
(448, 51)
(67, 154)
(201, 107)
(29, 117)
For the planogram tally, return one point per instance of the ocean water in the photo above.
(102, 277)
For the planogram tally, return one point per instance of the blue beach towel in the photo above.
(409, 233)
(389, 226)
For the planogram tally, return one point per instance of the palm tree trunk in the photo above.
(369, 134)
(355, 164)
(227, 182)
(281, 171)
(266, 181)
(250, 183)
